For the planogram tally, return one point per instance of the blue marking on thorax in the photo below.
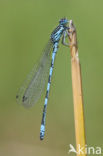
(57, 33)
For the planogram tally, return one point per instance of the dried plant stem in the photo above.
(77, 92)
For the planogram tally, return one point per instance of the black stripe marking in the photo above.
(52, 64)
(49, 80)
(47, 93)
(56, 30)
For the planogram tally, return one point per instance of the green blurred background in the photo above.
(25, 27)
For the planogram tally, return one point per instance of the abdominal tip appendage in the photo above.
(42, 132)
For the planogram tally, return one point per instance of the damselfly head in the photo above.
(63, 21)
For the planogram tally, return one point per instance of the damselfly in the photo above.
(32, 88)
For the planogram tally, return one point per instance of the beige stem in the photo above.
(77, 92)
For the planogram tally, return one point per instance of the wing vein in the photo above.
(32, 88)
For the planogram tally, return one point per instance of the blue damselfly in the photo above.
(32, 88)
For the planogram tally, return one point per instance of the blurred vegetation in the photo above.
(25, 27)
